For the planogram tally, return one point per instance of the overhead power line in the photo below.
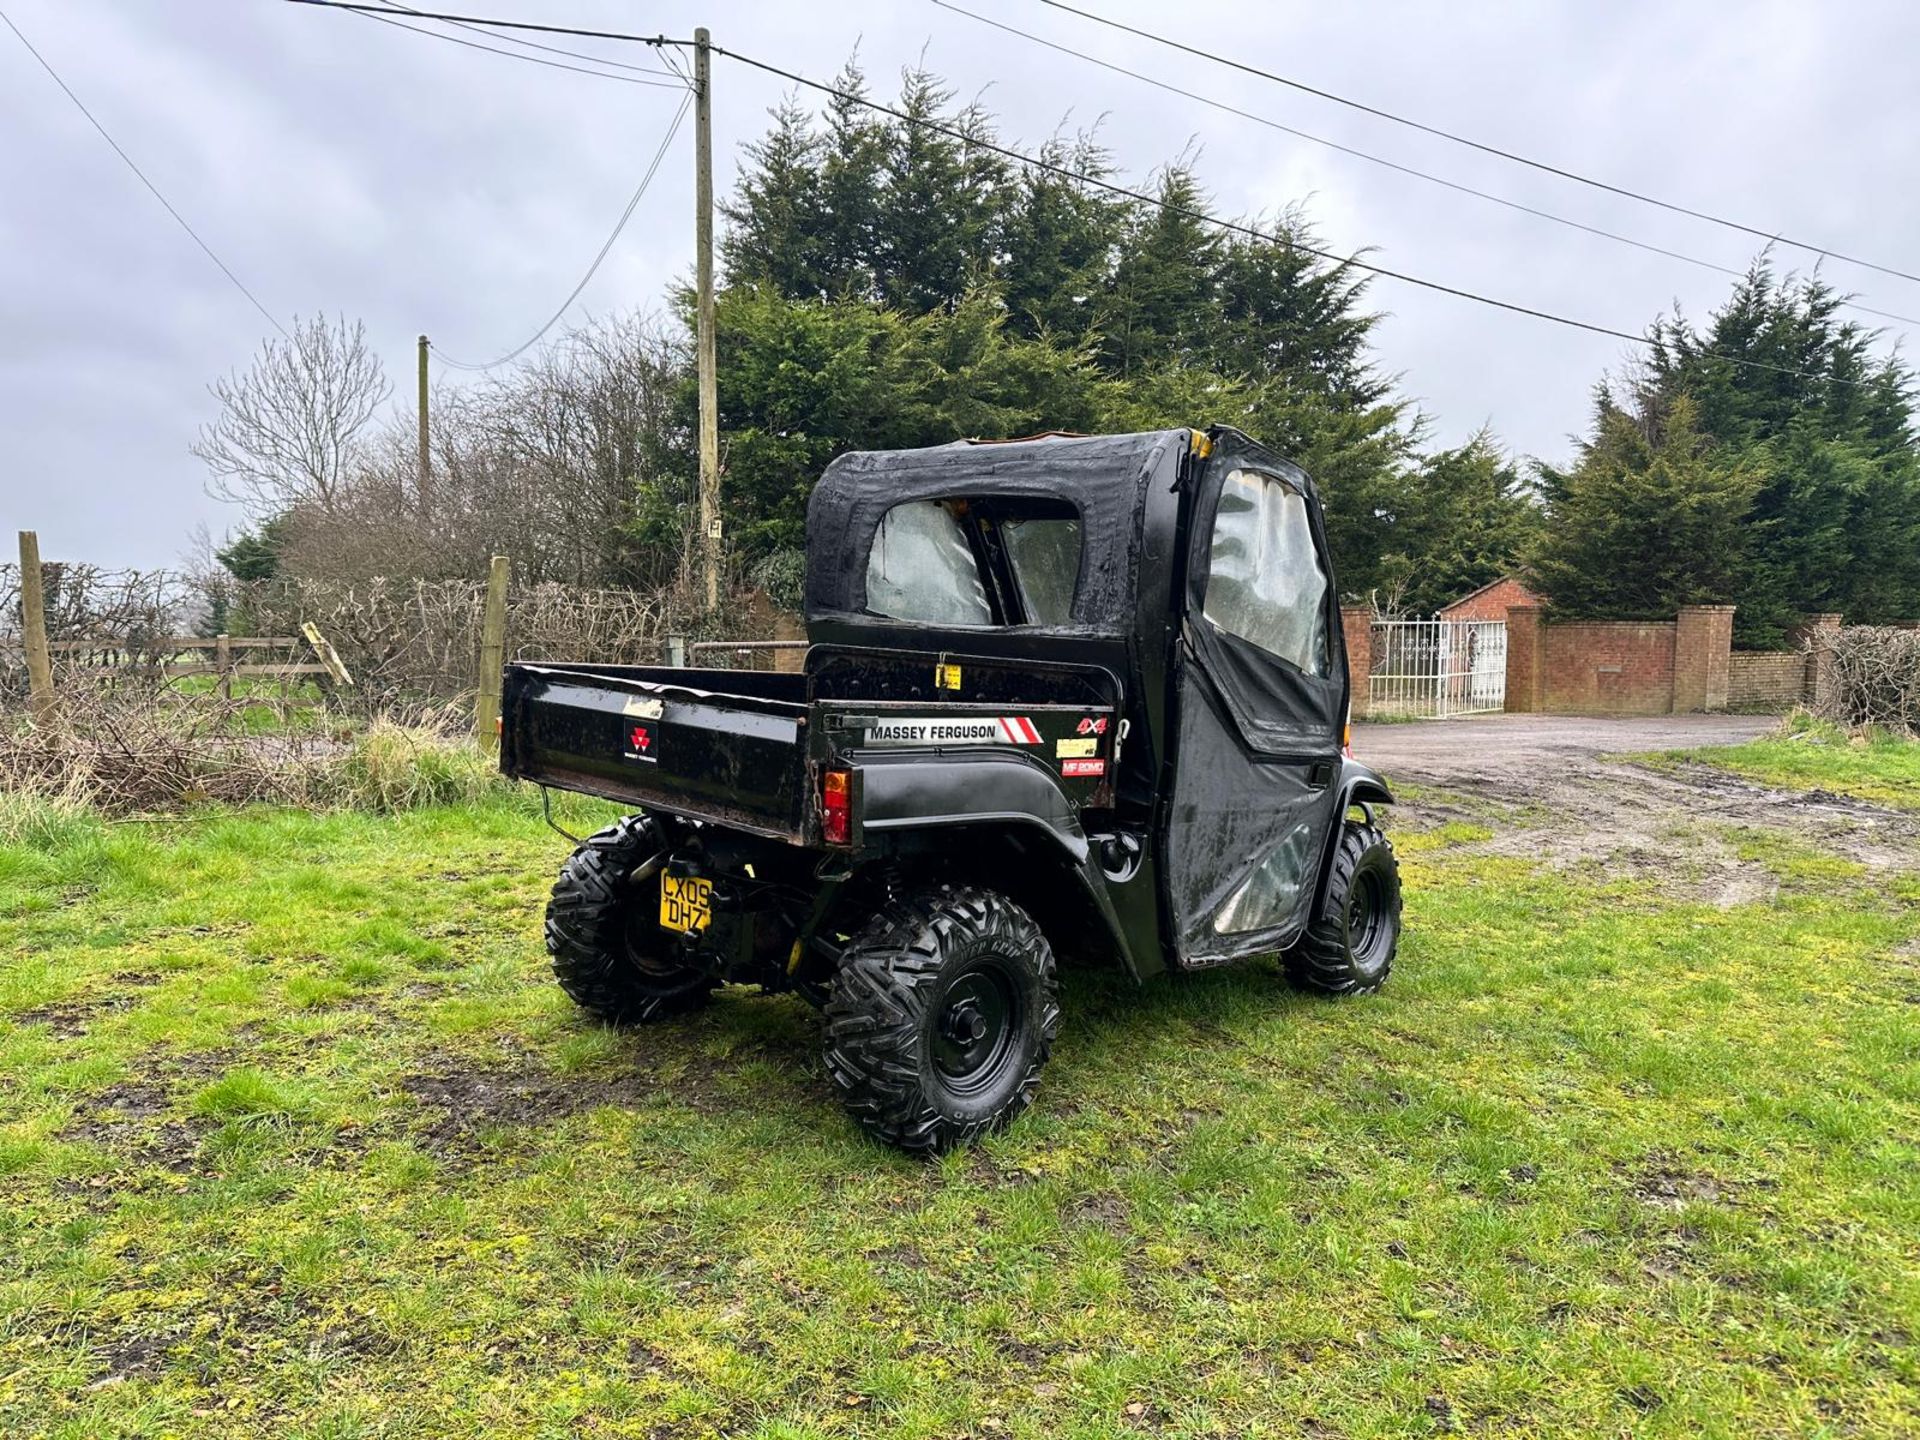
(536, 45)
(1065, 172)
(1236, 227)
(1457, 139)
(393, 20)
(585, 34)
(619, 225)
(1395, 165)
(141, 175)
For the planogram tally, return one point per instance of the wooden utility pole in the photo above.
(33, 629)
(710, 533)
(493, 656)
(426, 457)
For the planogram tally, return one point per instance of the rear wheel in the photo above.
(1349, 947)
(944, 1009)
(609, 953)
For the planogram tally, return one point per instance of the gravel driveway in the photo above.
(1560, 791)
(1435, 750)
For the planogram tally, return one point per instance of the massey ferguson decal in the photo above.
(955, 730)
(640, 743)
(1083, 767)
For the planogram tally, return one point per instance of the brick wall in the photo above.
(1619, 667)
(1767, 680)
(1607, 667)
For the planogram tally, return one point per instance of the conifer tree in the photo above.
(1650, 518)
(1164, 303)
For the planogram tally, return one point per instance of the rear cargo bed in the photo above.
(725, 745)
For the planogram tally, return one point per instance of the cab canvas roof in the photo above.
(1104, 478)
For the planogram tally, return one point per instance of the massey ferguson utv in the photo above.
(1062, 696)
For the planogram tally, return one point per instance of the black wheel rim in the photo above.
(1369, 926)
(976, 1029)
(647, 954)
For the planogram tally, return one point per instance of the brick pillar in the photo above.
(1702, 657)
(1356, 623)
(788, 626)
(1526, 659)
(1814, 634)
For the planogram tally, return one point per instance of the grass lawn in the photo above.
(297, 1139)
(1810, 755)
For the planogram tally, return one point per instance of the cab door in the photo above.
(1259, 700)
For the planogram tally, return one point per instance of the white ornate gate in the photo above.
(1437, 668)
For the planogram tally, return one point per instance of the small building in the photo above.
(1491, 601)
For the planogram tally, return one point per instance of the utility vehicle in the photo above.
(1062, 696)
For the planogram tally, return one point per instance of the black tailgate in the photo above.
(666, 739)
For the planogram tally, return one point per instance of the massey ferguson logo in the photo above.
(1092, 725)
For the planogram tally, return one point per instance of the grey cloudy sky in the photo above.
(343, 165)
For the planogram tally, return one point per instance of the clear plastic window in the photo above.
(922, 568)
(1045, 555)
(1264, 581)
(1269, 894)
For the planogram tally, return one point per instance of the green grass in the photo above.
(297, 1139)
(1811, 755)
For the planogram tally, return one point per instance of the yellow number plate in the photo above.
(685, 903)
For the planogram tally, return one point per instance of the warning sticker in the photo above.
(1083, 767)
(954, 730)
(1086, 746)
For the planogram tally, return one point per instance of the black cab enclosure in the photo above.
(1065, 694)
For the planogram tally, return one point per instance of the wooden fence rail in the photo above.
(157, 657)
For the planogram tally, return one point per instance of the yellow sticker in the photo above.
(946, 677)
(1076, 748)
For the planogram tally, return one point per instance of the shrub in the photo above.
(1874, 679)
(403, 767)
(116, 756)
(54, 819)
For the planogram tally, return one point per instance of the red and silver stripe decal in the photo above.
(1019, 730)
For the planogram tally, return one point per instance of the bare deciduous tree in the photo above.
(576, 464)
(289, 426)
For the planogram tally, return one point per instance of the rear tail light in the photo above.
(836, 807)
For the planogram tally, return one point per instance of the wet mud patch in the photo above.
(240, 1312)
(1666, 825)
(466, 1106)
(1663, 1181)
(463, 1105)
(74, 1016)
(1102, 1208)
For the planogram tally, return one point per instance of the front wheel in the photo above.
(1349, 947)
(943, 1011)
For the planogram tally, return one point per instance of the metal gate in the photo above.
(1436, 668)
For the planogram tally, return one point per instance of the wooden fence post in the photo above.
(33, 624)
(223, 663)
(493, 655)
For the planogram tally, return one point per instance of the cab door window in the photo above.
(1044, 554)
(1264, 579)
